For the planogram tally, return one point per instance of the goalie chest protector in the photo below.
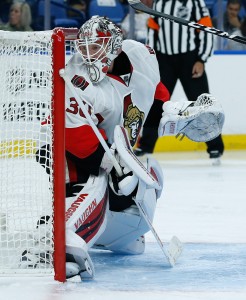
(117, 100)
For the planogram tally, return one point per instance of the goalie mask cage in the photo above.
(32, 93)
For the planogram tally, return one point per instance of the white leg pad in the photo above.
(78, 248)
(85, 221)
(86, 212)
(124, 229)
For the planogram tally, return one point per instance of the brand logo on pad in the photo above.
(90, 208)
(75, 205)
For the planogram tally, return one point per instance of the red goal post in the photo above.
(32, 93)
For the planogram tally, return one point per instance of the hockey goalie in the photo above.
(117, 82)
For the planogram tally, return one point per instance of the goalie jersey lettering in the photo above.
(119, 99)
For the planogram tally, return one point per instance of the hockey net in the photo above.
(30, 91)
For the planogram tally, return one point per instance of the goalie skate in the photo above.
(85, 270)
(39, 255)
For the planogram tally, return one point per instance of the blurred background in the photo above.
(225, 69)
(48, 14)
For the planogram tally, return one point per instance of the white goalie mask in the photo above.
(99, 42)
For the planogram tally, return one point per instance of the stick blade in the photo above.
(174, 250)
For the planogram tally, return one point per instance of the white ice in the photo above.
(205, 206)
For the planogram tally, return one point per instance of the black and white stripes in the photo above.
(173, 38)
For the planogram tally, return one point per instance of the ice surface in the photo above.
(205, 206)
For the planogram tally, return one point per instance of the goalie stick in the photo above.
(123, 146)
(138, 5)
(175, 247)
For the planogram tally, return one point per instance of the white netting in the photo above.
(205, 100)
(26, 192)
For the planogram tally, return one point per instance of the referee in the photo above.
(182, 53)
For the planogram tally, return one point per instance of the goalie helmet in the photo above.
(99, 42)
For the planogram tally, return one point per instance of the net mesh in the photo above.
(205, 100)
(26, 190)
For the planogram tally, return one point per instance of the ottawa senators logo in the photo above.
(79, 82)
(133, 119)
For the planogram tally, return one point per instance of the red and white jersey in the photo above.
(118, 99)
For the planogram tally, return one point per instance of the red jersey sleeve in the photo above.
(161, 92)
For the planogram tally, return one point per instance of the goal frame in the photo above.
(60, 36)
(58, 102)
(60, 39)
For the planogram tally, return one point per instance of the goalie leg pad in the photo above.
(124, 230)
(86, 212)
(85, 221)
(78, 250)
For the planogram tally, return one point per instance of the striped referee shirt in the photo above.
(172, 38)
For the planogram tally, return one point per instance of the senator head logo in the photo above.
(133, 119)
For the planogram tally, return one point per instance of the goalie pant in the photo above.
(90, 222)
